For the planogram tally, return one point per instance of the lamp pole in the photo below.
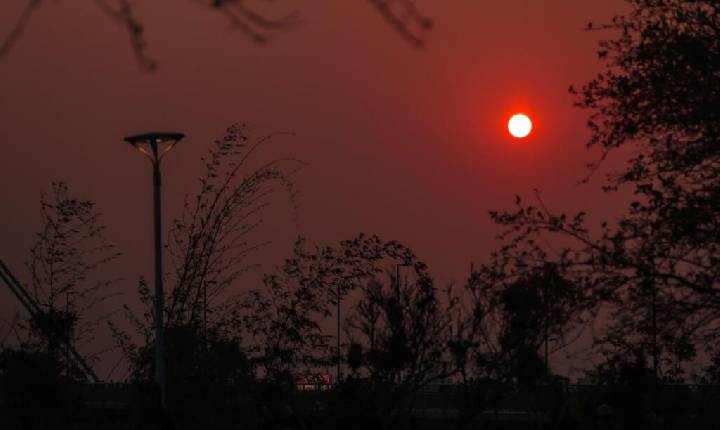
(160, 375)
(205, 314)
(339, 375)
(154, 146)
(69, 333)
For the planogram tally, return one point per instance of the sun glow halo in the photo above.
(519, 125)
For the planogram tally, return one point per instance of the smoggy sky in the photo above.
(406, 143)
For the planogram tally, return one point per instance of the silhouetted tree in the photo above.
(473, 346)
(401, 329)
(306, 289)
(658, 265)
(254, 19)
(541, 304)
(537, 309)
(658, 95)
(281, 323)
(65, 281)
(37, 375)
(396, 332)
(522, 308)
(212, 242)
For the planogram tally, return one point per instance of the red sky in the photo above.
(409, 144)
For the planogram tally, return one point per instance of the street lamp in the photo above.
(154, 146)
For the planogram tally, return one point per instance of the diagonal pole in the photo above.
(34, 309)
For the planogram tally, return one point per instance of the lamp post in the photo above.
(154, 146)
(338, 371)
(69, 333)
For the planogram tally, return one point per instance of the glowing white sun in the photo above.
(519, 125)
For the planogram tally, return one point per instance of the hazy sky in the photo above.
(409, 144)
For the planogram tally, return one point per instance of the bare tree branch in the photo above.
(402, 15)
(405, 17)
(19, 28)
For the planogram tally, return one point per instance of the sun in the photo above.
(519, 125)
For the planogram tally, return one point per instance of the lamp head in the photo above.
(154, 145)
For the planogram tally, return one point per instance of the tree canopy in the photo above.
(655, 102)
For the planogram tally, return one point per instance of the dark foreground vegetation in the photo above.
(402, 351)
(556, 405)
